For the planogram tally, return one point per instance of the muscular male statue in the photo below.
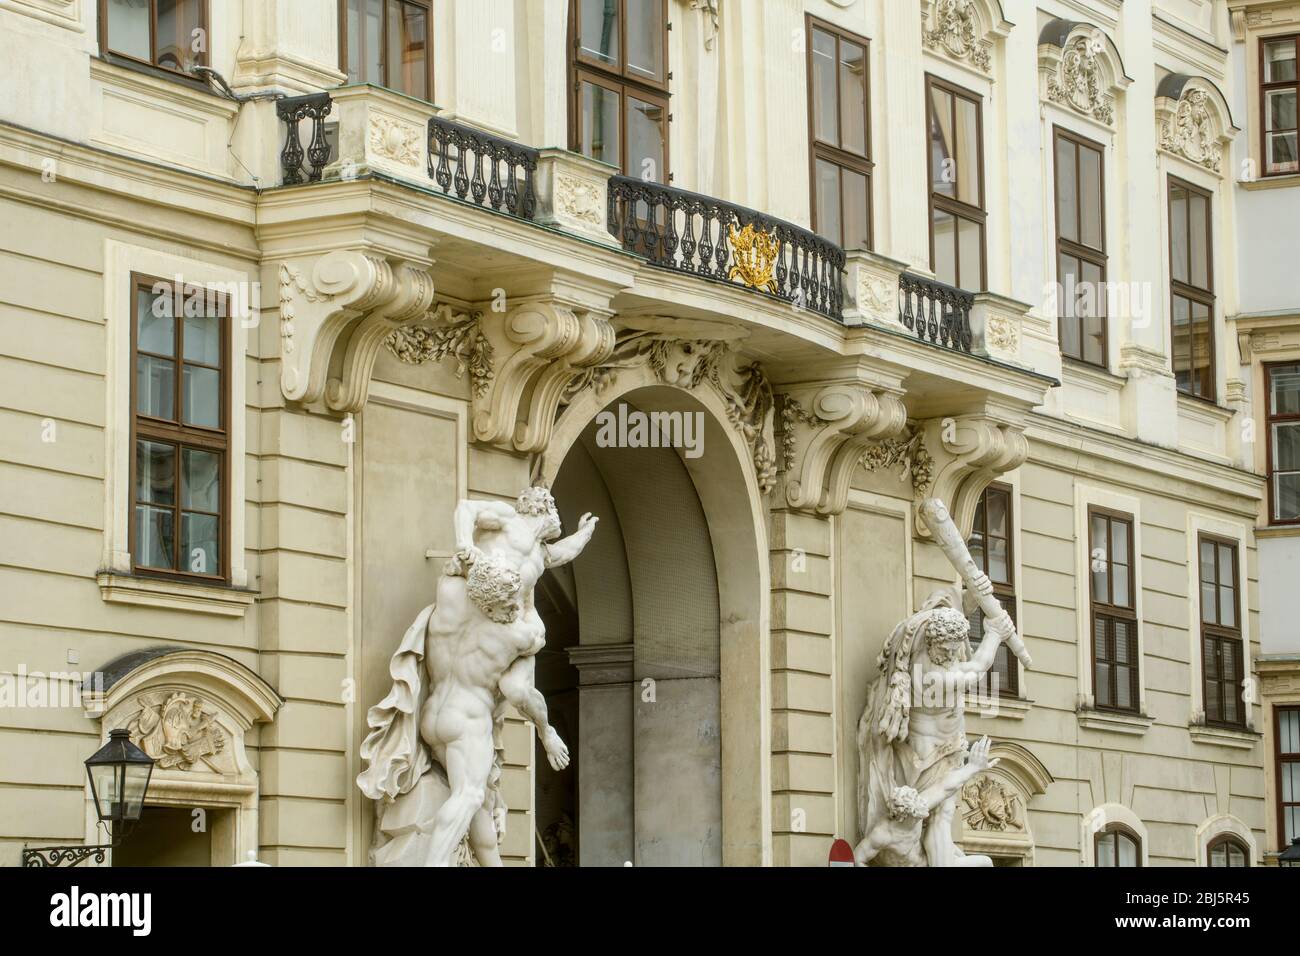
(475, 647)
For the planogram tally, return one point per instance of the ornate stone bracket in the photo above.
(964, 30)
(336, 311)
(1080, 68)
(825, 429)
(458, 334)
(969, 451)
(1193, 120)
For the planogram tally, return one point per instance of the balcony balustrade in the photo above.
(481, 168)
(936, 312)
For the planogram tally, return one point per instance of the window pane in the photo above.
(999, 565)
(1286, 446)
(1236, 855)
(155, 472)
(353, 26)
(856, 205)
(1219, 855)
(970, 241)
(155, 387)
(945, 247)
(598, 29)
(1209, 602)
(1207, 561)
(853, 97)
(1199, 236)
(1290, 782)
(828, 201)
(968, 152)
(1227, 607)
(1286, 496)
(408, 69)
(645, 139)
(1119, 542)
(825, 106)
(202, 338)
(1123, 684)
(155, 325)
(1182, 343)
(1178, 231)
(373, 32)
(600, 124)
(1279, 109)
(1289, 731)
(200, 480)
(997, 513)
(1282, 157)
(943, 174)
(128, 28)
(200, 543)
(1090, 200)
(1092, 312)
(1100, 558)
(1070, 324)
(1202, 360)
(1127, 850)
(154, 537)
(1106, 849)
(1279, 61)
(178, 26)
(1067, 185)
(1119, 582)
(645, 38)
(201, 392)
(1227, 566)
(1284, 390)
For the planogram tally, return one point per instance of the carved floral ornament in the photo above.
(964, 30)
(1080, 69)
(1193, 120)
(180, 731)
(395, 139)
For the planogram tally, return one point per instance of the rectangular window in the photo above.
(180, 427)
(168, 33)
(619, 71)
(993, 552)
(388, 43)
(1288, 774)
(1282, 416)
(1222, 664)
(1191, 293)
(954, 119)
(839, 135)
(1115, 664)
(1081, 247)
(1278, 89)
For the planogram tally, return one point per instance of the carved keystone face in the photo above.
(681, 359)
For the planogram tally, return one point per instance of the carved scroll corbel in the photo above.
(824, 432)
(542, 346)
(343, 297)
(969, 452)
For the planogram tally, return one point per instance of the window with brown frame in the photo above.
(954, 120)
(1222, 666)
(619, 72)
(839, 135)
(1191, 288)
(1282, 417)
(1117, 846)
(1115, 658)
(1227, 851)
(1278, 90)
(1081, 247)
(180, 344)
(388, 43)
(1287, 754)
(171, 34)
(991, 547)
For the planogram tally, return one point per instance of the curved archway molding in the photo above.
(995, 805)
(1224, 824)
(1099, 818)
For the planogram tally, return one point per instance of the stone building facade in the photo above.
(263, 326)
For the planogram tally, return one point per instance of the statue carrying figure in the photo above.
(914, 756)
(431, 760)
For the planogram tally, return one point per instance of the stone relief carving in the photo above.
(579, 199)
(179, 732)
(393, 139)
(292, 283)
(432, 758)
(461, 337)
(1191, 132)
(992, 806)
(955, 30)
(1000, 333)
(909, 455)
(1080, 80)
(914, 756)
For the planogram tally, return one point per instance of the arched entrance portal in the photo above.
(656, 651)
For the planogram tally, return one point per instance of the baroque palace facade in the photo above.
(281, 282)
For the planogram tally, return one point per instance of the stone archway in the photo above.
(669, 511)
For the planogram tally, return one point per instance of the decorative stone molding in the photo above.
(395, 139)
(825, 431)
(1136, 359)
(996, 327)
(346, 302)
(459, 334)
(1080, 68)
(572, 194)
(906, 453)
(381, 130)
(969, 452)
(1193, 120)
(872, 290)
(995, 805)
(988, 804)
(964, 30)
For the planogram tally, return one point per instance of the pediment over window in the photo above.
(994, 807)
(1194, 120)
(1080, 69)
(964, 30)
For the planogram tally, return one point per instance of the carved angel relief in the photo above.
(1190, 132)
(1080, 83)
(955, 31)
(179, 733)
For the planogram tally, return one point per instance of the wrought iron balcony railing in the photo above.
(689, 232)
(935, 311)
(292, 111)
(458, 156)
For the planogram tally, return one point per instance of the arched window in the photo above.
(1227, 850)
(1117, 845)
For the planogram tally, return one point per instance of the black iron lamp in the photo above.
(1291, 855)
(119, 778)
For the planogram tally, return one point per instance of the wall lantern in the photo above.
(1291, 855)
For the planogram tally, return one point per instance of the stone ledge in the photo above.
(1009, 708)
(1133, 724)
(176, 595)
(1224, 736)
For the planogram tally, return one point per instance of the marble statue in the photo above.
(914, 756)
(432, 758)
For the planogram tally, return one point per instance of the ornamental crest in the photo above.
(178, 733)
